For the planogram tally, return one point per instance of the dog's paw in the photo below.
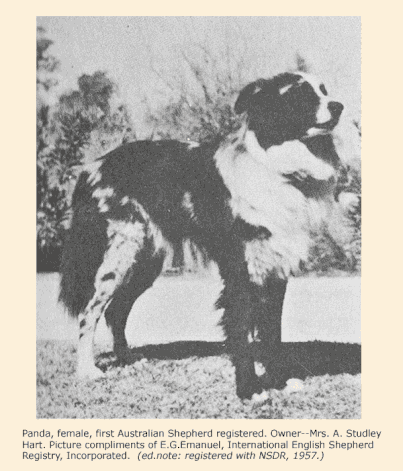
(89, 372)
(260, 398)
(124, 355)
(294, 385)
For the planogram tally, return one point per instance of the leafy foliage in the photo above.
(201, 106)
(343, 254)
(48, 198)
(82, 125)
(46, 64)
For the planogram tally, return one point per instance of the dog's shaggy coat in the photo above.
(250, 202)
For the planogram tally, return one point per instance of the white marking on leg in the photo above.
(152, 231)
(86, 367)
(260, 398)
(126, 239)
(294, 385)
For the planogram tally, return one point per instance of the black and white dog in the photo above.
(250, 202)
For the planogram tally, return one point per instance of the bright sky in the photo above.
(127, 46)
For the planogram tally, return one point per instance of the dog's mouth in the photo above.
(335, 110)
(322, 128)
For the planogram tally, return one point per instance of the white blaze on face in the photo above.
(285, 88)
(323, 114)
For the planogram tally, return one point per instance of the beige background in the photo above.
(381, 310)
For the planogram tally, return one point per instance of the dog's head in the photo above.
(287, 107)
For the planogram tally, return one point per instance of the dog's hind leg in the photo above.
(126, 241)
(142, 276)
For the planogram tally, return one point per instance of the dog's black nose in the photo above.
(335, 108)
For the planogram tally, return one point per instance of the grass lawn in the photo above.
(179, 367)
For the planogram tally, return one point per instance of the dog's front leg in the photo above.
(268, 315)
(252, 324)
(239, 302)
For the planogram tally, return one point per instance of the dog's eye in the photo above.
(323, 89)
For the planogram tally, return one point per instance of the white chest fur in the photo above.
(262, 196)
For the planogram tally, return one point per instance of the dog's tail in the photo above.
(84, 248)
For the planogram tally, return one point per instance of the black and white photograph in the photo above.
(198, 225)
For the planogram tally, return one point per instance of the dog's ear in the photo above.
(248, 95)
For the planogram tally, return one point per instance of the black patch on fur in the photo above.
(309, 186)
(248, 232)
(323, 148)
(240, 148)
(108, 276)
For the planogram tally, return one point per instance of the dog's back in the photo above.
(150, 182)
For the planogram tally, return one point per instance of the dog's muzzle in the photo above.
(335, 108)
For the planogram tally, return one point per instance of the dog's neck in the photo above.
(321, 145)
(290, 157)
(284, 189)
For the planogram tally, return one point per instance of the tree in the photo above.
(47, 197)
(89, 117)
(46, 63)
(83, 125)
(201, 104)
